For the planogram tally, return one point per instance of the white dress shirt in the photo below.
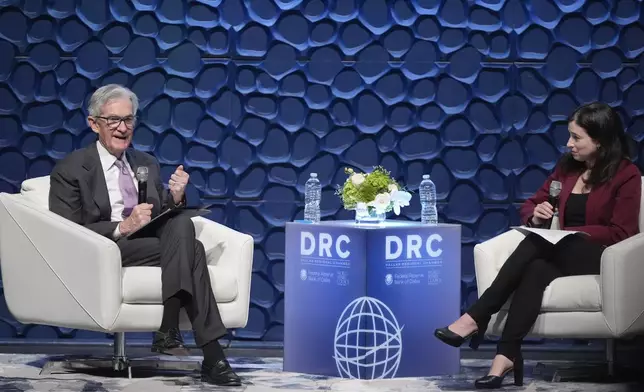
(111, 172)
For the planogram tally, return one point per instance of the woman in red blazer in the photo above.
(600, 196)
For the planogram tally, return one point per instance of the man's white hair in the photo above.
(108, 93)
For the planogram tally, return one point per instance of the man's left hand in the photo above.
(178, 181)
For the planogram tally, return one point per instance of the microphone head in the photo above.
(142, 173)
(555, 188)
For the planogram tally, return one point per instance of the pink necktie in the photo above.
(128, 190)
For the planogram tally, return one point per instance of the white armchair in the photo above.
(83, 283)
(605, 306)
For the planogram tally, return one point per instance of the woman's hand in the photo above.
(542, 212)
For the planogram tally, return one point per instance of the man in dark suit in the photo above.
(96, 187)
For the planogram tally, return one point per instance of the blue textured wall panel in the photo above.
(251, 96)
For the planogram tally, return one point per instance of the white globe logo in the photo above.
(368, 340)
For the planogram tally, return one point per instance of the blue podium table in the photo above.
(362, 301)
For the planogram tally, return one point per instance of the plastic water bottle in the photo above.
(312, 196)
(427, 190)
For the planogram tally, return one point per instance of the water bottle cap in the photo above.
(425, 176)
(314, 175)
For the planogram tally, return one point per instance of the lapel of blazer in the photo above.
(96, 180)
(566, 189)
(133, 160)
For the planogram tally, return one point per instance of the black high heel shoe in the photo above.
(455, 340)
(495, 382)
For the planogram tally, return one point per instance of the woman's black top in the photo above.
(575, 210)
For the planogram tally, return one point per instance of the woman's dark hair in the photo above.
(603, 125)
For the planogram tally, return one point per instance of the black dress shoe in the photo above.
(495, 382)
(169, 343)
(219, 374)
(456, 340)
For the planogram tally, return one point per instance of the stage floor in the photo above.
(20, 372)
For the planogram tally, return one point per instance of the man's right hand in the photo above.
(141, 215)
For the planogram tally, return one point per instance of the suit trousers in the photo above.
(182, 259)
(528, 271)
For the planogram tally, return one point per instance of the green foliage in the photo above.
(350, 195)
(374, 183)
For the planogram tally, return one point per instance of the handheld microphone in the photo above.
(553, 197)
(142, 176)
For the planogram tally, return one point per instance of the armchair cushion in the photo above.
(573, 294)
(142, 285)
(570, 294)
(36, 190)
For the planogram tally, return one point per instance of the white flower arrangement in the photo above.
(377, 191)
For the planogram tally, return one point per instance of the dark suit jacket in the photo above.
(612, 210)
(78, 190)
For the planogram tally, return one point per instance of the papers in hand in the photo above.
(553, 236)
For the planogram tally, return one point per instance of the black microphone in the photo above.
(553, 199)
(555, 190)
(142, 176)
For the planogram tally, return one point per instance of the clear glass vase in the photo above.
(368, 215)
